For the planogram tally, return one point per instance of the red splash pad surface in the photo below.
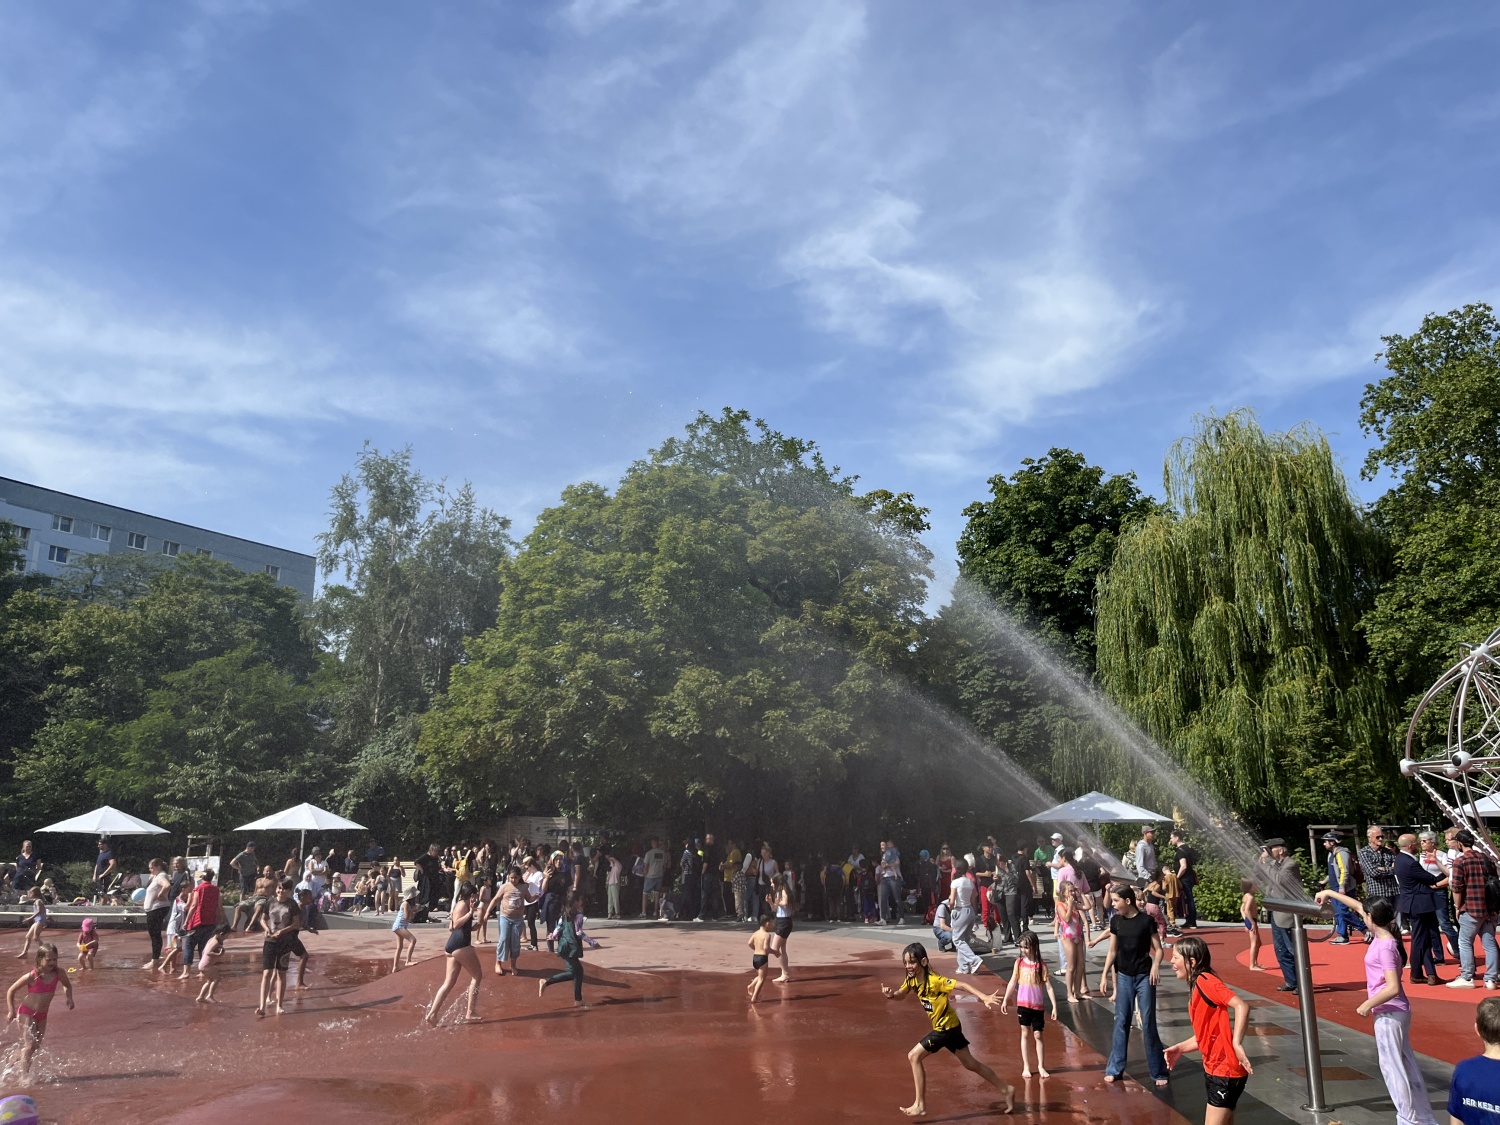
(659, 1046)
(1442, 1024)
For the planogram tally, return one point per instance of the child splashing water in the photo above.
(88, 943)
(1032, 988)
(1225, 1064)
(947, 1033)
(39, 984)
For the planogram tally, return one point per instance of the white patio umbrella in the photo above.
(106, 821)
(1096, 808)
(303, 817)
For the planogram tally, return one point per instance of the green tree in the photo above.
(1040, 543)
(1227, 627)
(1437, 418)
(421, 573)
(718, 635)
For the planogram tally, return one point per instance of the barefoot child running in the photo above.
(1030, 985)
(39, 985)
(933, 991)
(208, 964)
(88, 943)
(570, 940)
(35, 924)
(1225, 1065)
(760, 946)
(406, 913)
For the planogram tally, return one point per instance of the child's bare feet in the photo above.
(541, 986)
(261, 1012)
(1025, 1074)
(1257, 968)
(782, 980)
(1010, 1099)
(916, 1109)
(1040, 1073)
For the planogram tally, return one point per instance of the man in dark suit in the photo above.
(1419, 904)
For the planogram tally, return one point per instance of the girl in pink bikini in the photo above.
(39, 984)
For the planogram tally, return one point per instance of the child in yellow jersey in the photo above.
(933, 991)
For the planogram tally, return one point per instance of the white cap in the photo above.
(1057, 835)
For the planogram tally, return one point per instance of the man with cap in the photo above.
(1341, 879)
(1146, 864)
(1283, 879)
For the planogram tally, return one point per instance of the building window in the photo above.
(24, 535)
(204, 552)
(274, 571)
(62, 523)
(170, 548)
(135, 541)
(57, 554)
(101, 532)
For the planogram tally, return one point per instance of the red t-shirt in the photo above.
(206, 907)
(1213, 1027)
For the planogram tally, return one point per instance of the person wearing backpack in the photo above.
(1476, 894)
(1226, 1067)
(1341, 879)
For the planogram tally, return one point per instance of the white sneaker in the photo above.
(1490, 984)
(1462, 982)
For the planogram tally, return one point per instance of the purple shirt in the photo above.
(1381, 955)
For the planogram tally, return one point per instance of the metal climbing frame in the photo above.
(1463, 776)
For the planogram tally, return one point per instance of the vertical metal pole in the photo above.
(1311, 1052)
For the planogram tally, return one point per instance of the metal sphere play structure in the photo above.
(1463, 775)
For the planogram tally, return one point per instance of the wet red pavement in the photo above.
(658, 1046)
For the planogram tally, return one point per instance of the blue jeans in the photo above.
(944, 939)
(890, 901)
(710, 897)
(508, 943)
(1344, 918)
(1468, 926)
(1131, 992)
(1281, 941)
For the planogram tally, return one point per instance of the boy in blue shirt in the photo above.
(1474, 1094)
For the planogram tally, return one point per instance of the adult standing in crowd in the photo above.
(158, 904)
(768, 871)
(653, 899)
(1146, 863)
(1187, 876)
(1283, 879)
(104, 867)
(1377, 863)
(1340, 878)
(961, 910)
(1027, 880)
(246, 868)
(28, 869)
(1471, 871)
(429, 869)
(890, 883)
(1135, 955)
(1419, 903)
(710, 900)
(1435, 861)
(202, 919)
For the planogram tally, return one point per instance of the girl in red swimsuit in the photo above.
(39, 985)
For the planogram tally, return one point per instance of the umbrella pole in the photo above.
(302, 849)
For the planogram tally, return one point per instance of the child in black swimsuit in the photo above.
(461, 954)
(760, 948)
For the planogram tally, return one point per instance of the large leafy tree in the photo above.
(1437, 418)
(418, 569)
(1228, 626)
(1040, 542)
(98, 664)
(718, 636)
(1030, 557)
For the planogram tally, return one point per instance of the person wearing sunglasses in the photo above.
(1377, 863)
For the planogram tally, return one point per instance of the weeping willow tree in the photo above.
(1228, 626)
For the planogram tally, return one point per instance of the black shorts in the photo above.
(758, 960)
(783, 928)
(1034, 1018)
(294, 945)
(1223, 1093)
(275, 952)
(952, 1039)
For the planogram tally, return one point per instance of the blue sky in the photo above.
(531, 240)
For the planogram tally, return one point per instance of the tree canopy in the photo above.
(1437, 418)
(1228, 626)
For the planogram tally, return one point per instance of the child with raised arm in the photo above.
(35, 924)
(947, 1033)
(1032, 988)
(1225, 1064)
(39, 985)
(760, 955)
